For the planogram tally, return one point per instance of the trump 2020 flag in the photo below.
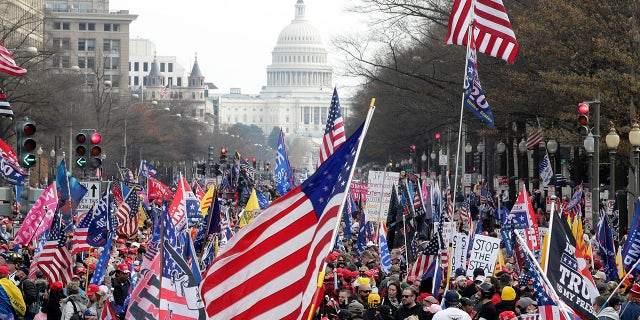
(607, 249)
(276, 258)
(385, 256)
(545, 170)
(474, 98)
(283, 173)
(631, 249)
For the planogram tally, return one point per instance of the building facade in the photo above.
(297, 96)
(87, 35)
(23, 22)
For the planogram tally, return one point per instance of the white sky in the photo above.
(234, 38)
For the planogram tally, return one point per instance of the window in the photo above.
(170, 81)
(66, 62)
(193, 95)
(116, 27)
(316, 115)
(82, 44)
(81, 63)
(136, 80)
(112, 63)
(91, 26)
(179, 81)
(82, 26)
(162, 67)
(62, 43)
(307, 115)
(170, 66)
(107, 27)
(145, 66)
(91, 62)
(61, 25)
(111, 45)
(66, 26)
(136, 66)
(91, 44)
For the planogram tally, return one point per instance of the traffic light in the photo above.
(223, 156)
(583, 119)
(26, 131)
(81, 149)
(201, 168)
(214, 170)
(255, 162)
(96, 150)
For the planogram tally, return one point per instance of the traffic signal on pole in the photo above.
(255, 162)
(201, 168)
(96, 150)
(583, 118)
(223, 156)
(81, 149)
(26, 131)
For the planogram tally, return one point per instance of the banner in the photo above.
(379, 194)
(460, 246)
(359, 191)
(39, 217)
(563, 267)
(484, 254)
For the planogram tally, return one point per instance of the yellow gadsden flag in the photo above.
(206, 201)
(250, 209)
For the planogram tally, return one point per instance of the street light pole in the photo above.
(613, 140)
(634, 139)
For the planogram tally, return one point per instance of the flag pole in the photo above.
(367, 122)
(620, 284)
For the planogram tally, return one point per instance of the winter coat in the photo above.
(608, 313)
(80, 300)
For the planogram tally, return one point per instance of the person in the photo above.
(527, 305)
(29, 292)
(13, 296)
(51, 303)
(373, 301)
(461, 284)
(96, 302)
(487, 310)
(452, 311)
(384, 313)
(75, 302)
(357, 309)
(120, 284)
(409, 306)
(364, 290)
(508, 302)
(507, 315)
(467, 306)
(344, 298)
(392, 298)
(630, 309)
(610, 311)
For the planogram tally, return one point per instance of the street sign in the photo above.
(92, 195)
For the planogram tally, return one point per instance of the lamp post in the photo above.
(523, 173)
(480, 148)
(613, 140)
(634, 139)
(467, 160)
(52, 154)
(501, 148)
(433, 160)
(424, 160)
(589, 146)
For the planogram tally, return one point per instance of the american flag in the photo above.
(107, 311)
(127, 215)
(55, 260)
(80, 235)
(146, 170)
(334, 135)
(426, 262)
(8, 65)
(534, 138)
(283, 249)
(5, 108)
(164, 90)
(493, 32)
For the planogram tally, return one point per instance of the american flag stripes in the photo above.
(534, 138)
(127, 215)
(276, 258)
(164, 90)
(5, 108)
(8, 65)
(55, 260)
(334, 135)
(80, 234)
(492, 30)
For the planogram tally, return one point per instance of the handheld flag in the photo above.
(283, 174)
(334, 135)
(474, 98)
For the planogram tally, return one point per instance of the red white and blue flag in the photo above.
(275, 260)
(55, 260)
(8, 65)
(334, 135)
(474, 98)
(146, 170)
(80, 235)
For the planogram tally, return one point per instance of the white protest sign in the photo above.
(460, 246)
(379, 194)
(447, 231)
(484, 254)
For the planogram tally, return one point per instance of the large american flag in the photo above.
(534, 138)
(8, 65)
(55, 260)
(276, 258)
(334, 135)
(492, 30)
(127, 215)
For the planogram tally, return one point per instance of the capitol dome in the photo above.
(299, 60)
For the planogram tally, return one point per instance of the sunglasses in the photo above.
(407, 296)
(365, 291)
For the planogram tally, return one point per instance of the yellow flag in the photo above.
(207, 200)
(499, 263)
(142, 216)
(15, 296)
(621, 273)
(251, 207)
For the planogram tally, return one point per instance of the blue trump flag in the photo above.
(101, 268)
(62, 182)
(631, 249)
(474, 98)
(283, 174)
(607, 249)
(101, 226)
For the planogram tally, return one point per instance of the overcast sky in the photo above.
(233, 39)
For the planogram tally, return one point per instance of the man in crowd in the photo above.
(452, 311)
(29, 291)
(409, 306)
(120, 284)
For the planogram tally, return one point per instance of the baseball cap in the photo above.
(123, 268)
(507, 315)
(4, 270)
(356, 307)
(56, 286)
(451, 296)
(93, 288)
(525, 302)
(461, 278)
(81, 270)
(600, 275)
(479, 279)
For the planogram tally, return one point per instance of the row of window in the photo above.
(146, 65)
(136, 81)
(108, 45)
(86, 26)
(301, 59)
(89, 63)
(77, 7)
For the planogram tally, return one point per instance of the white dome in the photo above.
(299, 32)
